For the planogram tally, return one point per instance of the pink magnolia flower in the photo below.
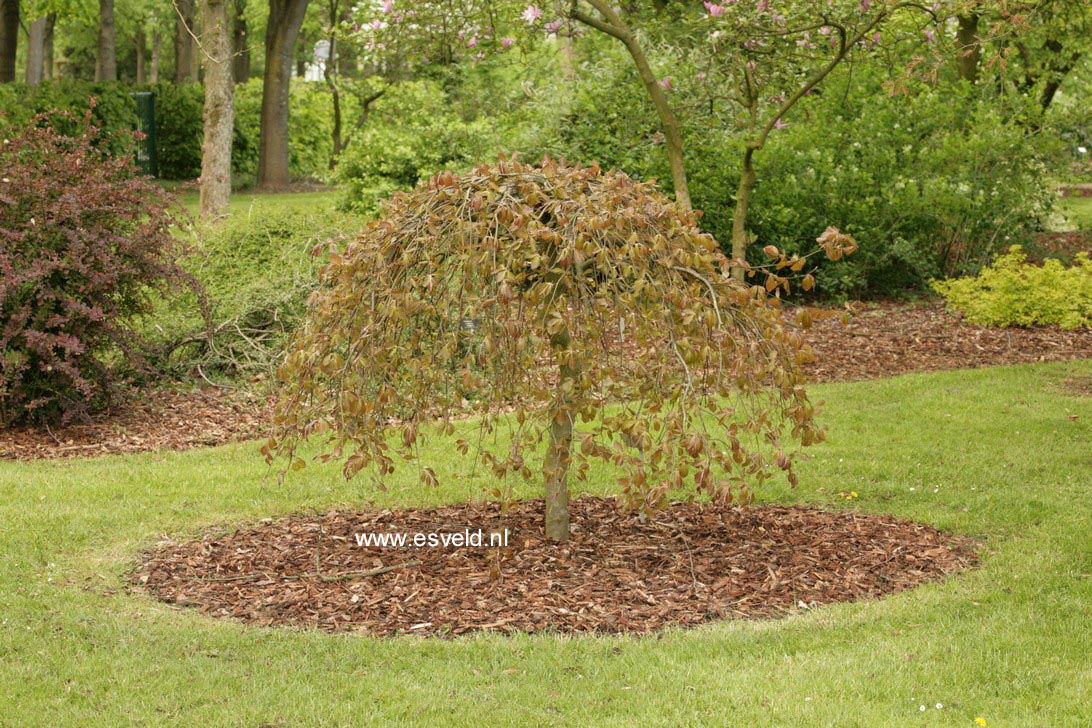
(506, 42)
(553, 27)
(377, 24)
(472, 42)
(930, 35)
(714, 10)
(762, 6)
(388, 6)
(700, 76)
(865, 5)
(876, 37)
(531, 14)
(780, 125)
(657, 138)
(665, 82)
(825, 30)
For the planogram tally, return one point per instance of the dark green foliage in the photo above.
(180, 123)
(114, 110)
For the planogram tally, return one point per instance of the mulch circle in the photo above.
(691, 563)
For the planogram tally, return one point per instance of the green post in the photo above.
(146, 154)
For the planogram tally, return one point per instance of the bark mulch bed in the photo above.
(154, 420)
(883, 340)
(888, 339)
(691, 564)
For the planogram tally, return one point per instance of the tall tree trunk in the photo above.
(740, 240)
(141, 54)
(36, 50)
(560, 447)
(9, 39)
(970, 50)
(219, 109)
(282, 32)
(185, 51)
(240, 41)
(47, 48)
(106, 61)
(157, 45)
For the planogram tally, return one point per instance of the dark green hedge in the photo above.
(179, 125)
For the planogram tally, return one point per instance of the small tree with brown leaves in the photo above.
(540, 297)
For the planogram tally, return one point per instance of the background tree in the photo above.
(186, 60)
(219, 108)
(106, 60)
(282, 31)
(9, 39)
(540, 298)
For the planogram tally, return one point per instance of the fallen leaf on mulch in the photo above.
(692, 563)
(886, 339)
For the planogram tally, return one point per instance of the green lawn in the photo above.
(1077, 210)
(1001, 455)
(256, 203)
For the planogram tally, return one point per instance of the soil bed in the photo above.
(691, 564)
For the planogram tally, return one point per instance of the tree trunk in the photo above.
(157, 44)
(739, 217)
(240, 39)
(335, 98)
(184, 44)
(614, 26)
(36, 51)
(47, 47)
(219, 109)
(141, 52)
(282, 32)
(9, 39)
(970, 52)
(106, 61)
(559, 450)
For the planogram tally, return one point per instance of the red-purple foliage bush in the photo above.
(83, 242)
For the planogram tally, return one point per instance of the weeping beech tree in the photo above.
(578, 313)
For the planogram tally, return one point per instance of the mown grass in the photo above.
(250, 202)
(1001, 455)
(1077, 210)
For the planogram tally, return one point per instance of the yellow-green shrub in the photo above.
(1013, 292)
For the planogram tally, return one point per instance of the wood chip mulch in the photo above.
(888, 339)
(693, 563)
(157, 419)
(884, 340)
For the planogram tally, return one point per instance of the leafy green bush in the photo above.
(258, 273)
(412, 133)
(934, 184)
(114, 110)
(179, 127)
(1013, 292)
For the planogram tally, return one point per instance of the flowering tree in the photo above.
(540, 298)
